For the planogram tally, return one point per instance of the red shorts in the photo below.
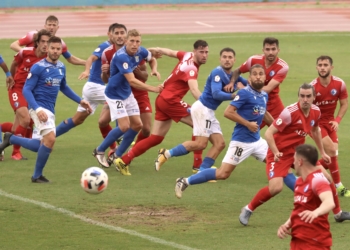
(175, 110)
(326, 130)
(16, 98)
(297, 244)
(280, 168)
(144, 103)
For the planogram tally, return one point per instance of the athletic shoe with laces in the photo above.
(121, 166)
(161, 159)
(40, 179)
(244, 216)
(18, 157)
(343, 191)
(180, 186)
(195, 170)
(110, 159)
(343, 216)
(100, 157)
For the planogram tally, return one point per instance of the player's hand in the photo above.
(105, 68)
(155, 73)
(277, 156)
(229, 87)
(84, 75)
(334, 125)
(42, 116)
(10, 82)
(86, 105)
(326, 158)
(156, 53)
(308, 216)
(253, 127)
(283, 231)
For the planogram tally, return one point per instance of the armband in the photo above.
(8, 74)
(338, 119)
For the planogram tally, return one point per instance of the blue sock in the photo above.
(126, 142)
(64, 127)
(206, 163)
(178, 150)
(202, 176)
(112, 136)
(0, 134)
(290, 180)
(43, 156)
(31, 144)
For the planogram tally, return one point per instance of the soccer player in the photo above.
(169, 103)
(313, 200)
(51, 25)
(44, 80)
(205, 124)
(21, 65)
(329, 90)
(247, 109)
(121, 101)
(287, 132)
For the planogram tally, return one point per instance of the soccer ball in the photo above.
(94, 180)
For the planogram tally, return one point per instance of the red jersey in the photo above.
(306, 197)
(176, 85)
(107, 56)
(277, 71)
(293, 126)
(25, 59)
(27, 41)
(328, 96)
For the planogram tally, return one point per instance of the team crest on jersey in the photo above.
(137, 59)
(272, 73)
(48, 81)
(279, 121)
(97, 50)
(306, 188)
(191, 73)
(16, 104)
(217, 78)
(333, 92)
(125, 65)
(271, 174)
(312, 123)
(236, 98)
(256, 110)
(29, 75)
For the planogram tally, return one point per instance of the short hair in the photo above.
(256, 66)
(55, 39)
(227, 49)
(321, 58)
(114, 26)
(37, 36)
(200, 43)
(308, 152)
(133, 32)
(51, 18)
(270, 40)
(307, 86)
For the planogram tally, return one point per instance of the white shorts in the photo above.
(36, 134)
(204, 120)
(123, 108)
(239, 151)
(94, 93)
(43, 128)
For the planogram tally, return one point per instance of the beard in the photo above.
(257, 85)
(53, 57)
(324, 76)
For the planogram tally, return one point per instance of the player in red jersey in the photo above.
(20, 67)
(275, 69)
(287, 132)
(51, 25)
(329, 90)
(169, 103)
(313, 200)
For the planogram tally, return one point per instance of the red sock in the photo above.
(197, 156)
(140, 137)
(104, 132)
(142, 147)
(323, 163)
(20, 131)
(334, 169)
(261, 197)
(6, 127)
(336, 209)
(29, 132)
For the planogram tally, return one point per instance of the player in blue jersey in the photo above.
(205, 125)
(122, 104)
(248, 110)
(45, 79)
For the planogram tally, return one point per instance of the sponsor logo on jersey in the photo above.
(98, 49)
(236, 98)
(299, 122)
(53, 81)
(125, 65)
(256, 110)
(333, 92)
(312, 123)
(217, 78)
(318, 94)
(29, 75)
(28, 60)
(191, 73)
(272, 73)
(306, 188)
(147, 108)
(279, 121)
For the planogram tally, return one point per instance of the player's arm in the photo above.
(193, 84)
(141, 72)
(13, 69)
(137, 84)
(85, 74)
(326, 206)
(268, 119)
(317, 137)
(341, 112)
(15, 46)
(9, 78)
(76, 60)
(157, 52)
(27, 91)
(269, 133)
(231, 114)
(153, 64)
(271, 85)
(235, 74)
(284, 230)
(105, 72)
(218, 93)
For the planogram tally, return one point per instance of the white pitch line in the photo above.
(204, 24)
(94, 222)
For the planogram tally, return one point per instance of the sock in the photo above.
(112, 136)
(197, 156)
(43, 156)
(178, 151)
(104, 132)
(31, 144)
(64, 127)
(140, 137)
(202, 176)
(290, 180)
(142, 147)
(20, 131)
(336, 209)
(334, 169)
(126, 142)
(261, 197)
(29, 132)
(207, 163)
(7, 127)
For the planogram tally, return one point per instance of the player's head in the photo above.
(200, 51)
(117, 33)
(51, 24)
(257, 76)
(270, 48)
(324, 66)
(41, 39)
(227, 58)
(55, 48)
(133, 41)
(306, 96)
(305, 156)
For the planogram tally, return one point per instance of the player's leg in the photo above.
(105, 127)
(146, 117)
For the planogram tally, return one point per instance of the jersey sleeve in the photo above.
(146, 54)
(66, 54)
(240, 98)
(104, 59)
(180, 55)
(122, 62)
(27, 39)
(283, 120)
(343, 91)
(216, 87)
(245, 67)
(1, 60)
(320, 184)
(31, 82)
(98, 51)
(19, 57)
(281, 74)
